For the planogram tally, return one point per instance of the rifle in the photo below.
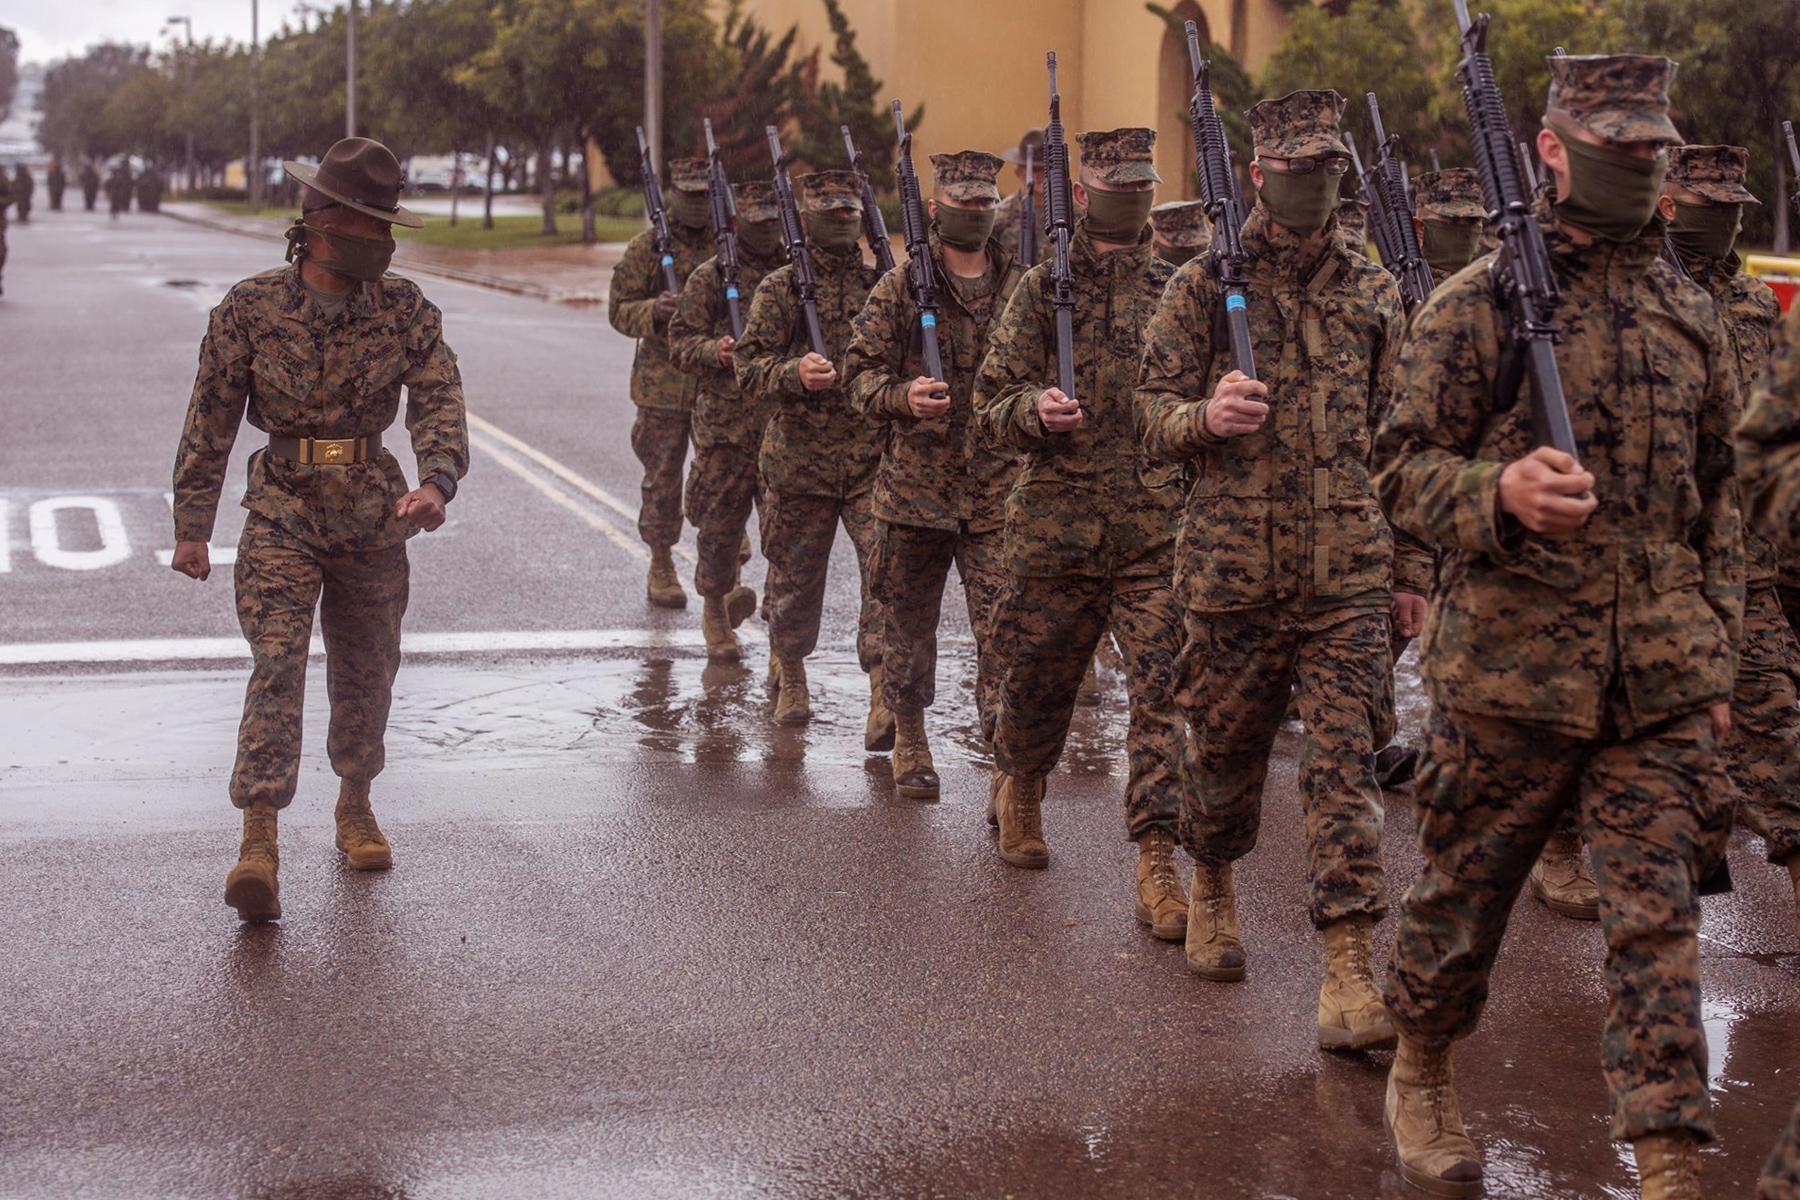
(660, 236)
(1059, 227)
(1787, 128)
(1408, 265)
(724, 220)
(1028, 214)
(806, 286)
(1520, 272)
(1379, 232)
(1434, 160)
(1224, 206)
(917, 234)
(874, 225)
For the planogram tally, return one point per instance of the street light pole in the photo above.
(350, 75)
(653, 89)
(187, 75)
(253, 179)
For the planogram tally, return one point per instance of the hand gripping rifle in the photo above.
(1059, 227)
(1366, 191)
(920, 274)
(724, 220)
(874, 224)
(1520, 273)
(659, 218)
(1408, 264)
(1224, 206)
(806, 285)
(1028, 213)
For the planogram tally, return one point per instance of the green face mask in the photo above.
(760, 239)
(1449, 245)
(964, 228)
(1118, 217)
(1706, 230)
(691, 209)
(1302, 203)
(1612, 194)
(359, 258)
(833, 231)
(1175, 254)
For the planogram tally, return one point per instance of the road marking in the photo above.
(600, 524)
(46, 542)
(234, 649)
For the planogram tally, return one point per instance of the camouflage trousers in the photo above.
(659, 438)
(908, 580)
(1488, 795)
(1781, 1174)
(1045, 632)
(722, 488)
(1237, 673)
(1762, 752)
(361, 598)
(798, 531)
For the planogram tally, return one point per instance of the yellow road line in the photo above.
(600, 524)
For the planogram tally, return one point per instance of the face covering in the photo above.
(1118, 217)
(1175, 254)
(692, 209)
(1612, 194)
(833, 231)
(1450, 246)
(964, 228)
(1706, 230)
(761, 239)
(360, 258)
(1302, 203)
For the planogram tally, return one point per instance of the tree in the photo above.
(76, 94)
(1371, 47)
(692, 53)
(9, 69)
(751, 95)
(412, 52)
(821, 109)
(1232, 88)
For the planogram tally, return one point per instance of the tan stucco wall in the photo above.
(985, 88)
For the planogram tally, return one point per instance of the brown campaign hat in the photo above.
(1033, 138)
(1716, 172)
(756, 200)
(1298, 125)
(1181, 223)
(832, 191)
(967, 175)
(1620, 97)
(688, 174)
(362, 174)
(1453, 193)
(1120, 156)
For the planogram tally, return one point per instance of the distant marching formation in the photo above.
(1215, 434)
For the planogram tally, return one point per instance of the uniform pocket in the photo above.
(277, 371)
(1236, 567)
(1673, 565)
(1353, 549)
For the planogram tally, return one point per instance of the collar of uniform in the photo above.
(837, 260)
(1085, 257)
(1635, 255)
(361, 301)
(999, 262)
(1714, 274)
(1280, 248)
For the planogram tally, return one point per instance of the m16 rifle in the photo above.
(1059, 227)
(1224, 206)
(1787, 129)
(1408, 264)
(806, 284)
(1367, 193)
(916, 231)
(874, 224)
(660, 236)
(724, 221)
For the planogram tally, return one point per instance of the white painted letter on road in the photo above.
(46, 542)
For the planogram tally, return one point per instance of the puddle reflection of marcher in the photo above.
(651, 704)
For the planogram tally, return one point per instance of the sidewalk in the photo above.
(573, 274)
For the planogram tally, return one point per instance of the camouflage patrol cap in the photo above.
(1181, 223)
(1453, 194)
(1119, 156)
(687, 174)
(1620, 97)
(1299, 125)
(967, 174)
(832, 191)
(1353, 216)
(1716, 172)
(756, 200)
(1033, 138)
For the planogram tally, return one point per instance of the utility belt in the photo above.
(325, 452)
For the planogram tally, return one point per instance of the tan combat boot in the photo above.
(1668, 1166)
(663, 587)
(1020, 807)
(357, 834)
(793, 706)
(1161, 904)
(1793, 869)
(878, 730)
(915, 775)
(252, 887)
(740, 604)
(773, 681)
(1560, 878)
(721, 641)
(996, 777)
(1351, 1015)
(1213, 949)
(1435, 1152)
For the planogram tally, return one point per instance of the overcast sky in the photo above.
(51, 29)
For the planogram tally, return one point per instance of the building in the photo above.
(1118, 64)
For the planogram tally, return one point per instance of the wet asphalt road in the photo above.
(638, 941)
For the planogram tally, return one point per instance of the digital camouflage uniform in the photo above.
(90, 186)
(940, 492)
(1353, 224)
(1576, 671)
(1090, 523)
(1180, 230)
(1762, 752)
(57, 181)
(818, 454)
(663, 393)
(325, 535)
(23, 186)
(1286, 565)
(727, 429)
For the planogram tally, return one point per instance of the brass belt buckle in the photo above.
(330, 452)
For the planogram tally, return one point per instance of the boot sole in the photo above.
(740, 605)
(794, 719)
(1168, 933)
(254, 899)
(1031, 862)
(1333, 1038)
(918, 791)
(1563, 908)
(368, 862)
(1216, 974)
(677, 601)
(1455, 1189)
(725, 654)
